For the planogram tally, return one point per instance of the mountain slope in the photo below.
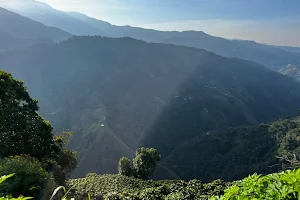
(292, 71)
(49, 16)
(118, 94)
(290, 49)
(22, 27)
(8, 42)
(232, 153)
(270, 56)
(79, 24)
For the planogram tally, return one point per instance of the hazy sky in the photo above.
(267, 21)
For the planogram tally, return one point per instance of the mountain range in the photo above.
(122, 87)
(18, 31)
(119, 94)
(273, 57)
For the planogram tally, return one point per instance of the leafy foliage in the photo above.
(65, 161)
(125, 167)
(122, 187)
(283, 185)
(22, 129)
(29, 179)
(143, 165)
(24, 132)
(103, 184)
(9, 197)
(145, 161)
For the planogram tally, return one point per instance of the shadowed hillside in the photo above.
(118, 94)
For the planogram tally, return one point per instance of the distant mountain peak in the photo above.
(28, 5)
(22, 27)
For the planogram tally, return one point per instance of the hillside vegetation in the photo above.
(34, 161)
(8, 42)
(120, 94)
(122, 187)
(233, 153)
(282, 185)
(30, 156)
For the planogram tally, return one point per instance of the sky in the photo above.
(265, 21)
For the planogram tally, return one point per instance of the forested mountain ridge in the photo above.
(232, 153)
(76, 23)
(8, 41)
(118, 94)
(272, 57)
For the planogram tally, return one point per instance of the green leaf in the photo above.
(56, 190)
(3, 178)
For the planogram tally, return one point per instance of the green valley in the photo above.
(119, 94)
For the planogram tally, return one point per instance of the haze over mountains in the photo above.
(76, 23)
(121, 93)
(18, 31)
(45, 14)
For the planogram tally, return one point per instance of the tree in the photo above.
(24, 132)
(145, 161)
(29, 179)
(22, 129)
(125, 167)
(65, 161)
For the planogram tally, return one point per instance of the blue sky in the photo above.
(266, 21)
(151, 11)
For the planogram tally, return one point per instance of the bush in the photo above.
(128, 188)
(125, 167)
(29, 180)
(145, 161)
(283, 185)
(143, 166)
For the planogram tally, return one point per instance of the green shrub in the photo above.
(125, 167)
(29, 179)
(144, 163)
(128, 188)
(283, 185)
(9, 197)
